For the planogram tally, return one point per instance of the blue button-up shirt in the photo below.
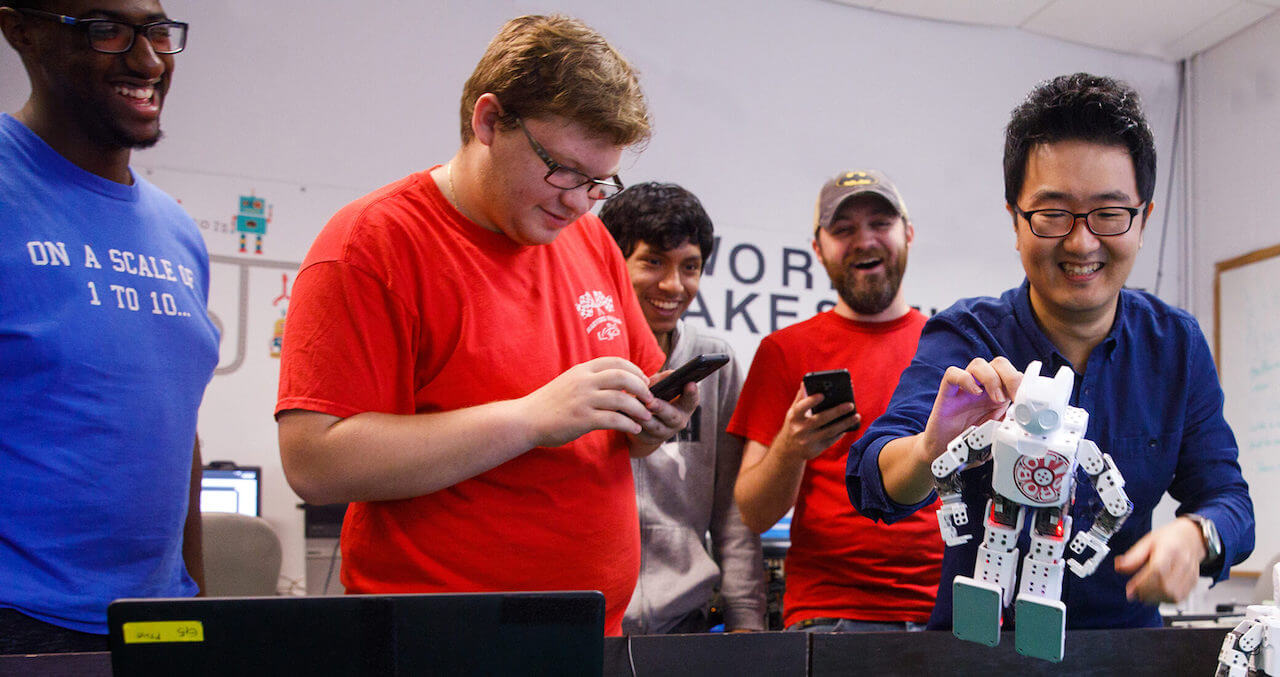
(1154, 404)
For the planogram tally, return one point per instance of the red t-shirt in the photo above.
(841, 564)
(404, 306)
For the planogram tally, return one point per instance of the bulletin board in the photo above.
(1246, 299)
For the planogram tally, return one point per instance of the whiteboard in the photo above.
(1247, 344)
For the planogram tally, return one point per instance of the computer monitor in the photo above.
(777, 540)
(779, 533)
(227, 487)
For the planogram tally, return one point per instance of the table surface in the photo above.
(1169, 651)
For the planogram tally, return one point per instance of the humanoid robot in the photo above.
(1035, 450)
(1253, 647)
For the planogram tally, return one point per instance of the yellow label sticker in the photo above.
(151, 632)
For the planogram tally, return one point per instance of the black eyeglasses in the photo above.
(110, 36)
(1103, 221)
(565, 178)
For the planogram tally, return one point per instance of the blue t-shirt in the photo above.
(106, 347)
(1154, 404)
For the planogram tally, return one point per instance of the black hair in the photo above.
(661, 214)
(1079, 107)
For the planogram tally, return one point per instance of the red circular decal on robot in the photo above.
(1041, 479)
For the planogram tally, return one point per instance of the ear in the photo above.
(484, 118)
(910, 231)
(16, 30)
(1017, 246)
(1142, 227)
(817, 248)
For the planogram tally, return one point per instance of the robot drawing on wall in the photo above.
(252, 219)
(1035, 450)
(1253, 647)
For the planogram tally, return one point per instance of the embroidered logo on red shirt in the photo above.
(596, 308)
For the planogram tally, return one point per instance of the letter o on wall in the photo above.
(759, 263)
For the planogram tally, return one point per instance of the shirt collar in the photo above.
(1119, 325)
(1027, 321)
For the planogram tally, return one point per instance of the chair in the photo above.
(241, 555)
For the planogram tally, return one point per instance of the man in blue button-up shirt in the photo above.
(1079, 176)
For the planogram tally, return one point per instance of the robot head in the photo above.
(1041, 401)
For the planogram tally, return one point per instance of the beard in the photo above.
(135, 143)
(867, 294)
(95, 117)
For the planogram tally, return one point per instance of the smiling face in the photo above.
(666, 282)
(113, 101)
(864, 250)
(1078, 278)
(521, 204)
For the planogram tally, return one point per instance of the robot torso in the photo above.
(1034, 451)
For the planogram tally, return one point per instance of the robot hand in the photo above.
(951, 516)
(1086, 540)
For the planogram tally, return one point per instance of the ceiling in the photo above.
(1171, 30)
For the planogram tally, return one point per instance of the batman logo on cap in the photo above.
(855, 179)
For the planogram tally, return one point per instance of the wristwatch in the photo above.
(1212, 543)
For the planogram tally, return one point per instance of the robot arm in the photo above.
(1116, 509)
(969, 448)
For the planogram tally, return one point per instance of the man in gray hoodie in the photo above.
(684, 490)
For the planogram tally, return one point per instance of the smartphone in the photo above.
(692, 371)
(836, 387)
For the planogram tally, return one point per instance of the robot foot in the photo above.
(975, 610)
(1041, 627)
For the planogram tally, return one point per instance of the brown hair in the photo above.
(557, 65)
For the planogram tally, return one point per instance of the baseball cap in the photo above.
(848, 184)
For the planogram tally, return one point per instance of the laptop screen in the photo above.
(231, 488)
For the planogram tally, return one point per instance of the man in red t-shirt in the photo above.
(844, 571)
(465, 361)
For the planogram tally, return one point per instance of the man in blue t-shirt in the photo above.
(106, 344)
(1080, 170)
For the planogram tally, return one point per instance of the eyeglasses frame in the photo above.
(84, 24)
(1133, 214)
(553, 167)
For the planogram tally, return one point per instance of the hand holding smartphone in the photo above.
(692, 371)
(837, 388)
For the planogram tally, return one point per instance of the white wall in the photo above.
(755, 103)
(1234, 198)
(1236, 137)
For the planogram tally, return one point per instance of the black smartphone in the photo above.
(692, 371)
(836, 387)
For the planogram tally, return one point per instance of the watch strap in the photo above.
(1212, 542)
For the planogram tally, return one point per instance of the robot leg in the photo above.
(978, 603)
(1267, 660)
(1041, 615)
(1247, 643)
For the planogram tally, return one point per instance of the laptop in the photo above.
(524, 633)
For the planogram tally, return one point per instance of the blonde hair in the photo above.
(557, 65)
